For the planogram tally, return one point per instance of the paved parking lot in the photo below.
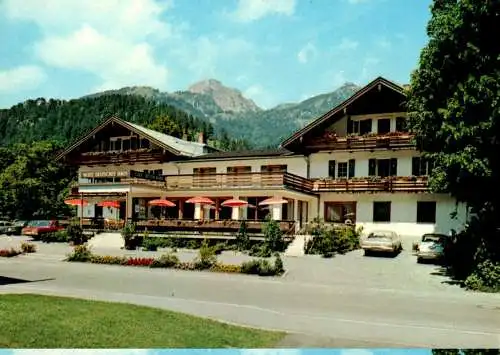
(352, 269)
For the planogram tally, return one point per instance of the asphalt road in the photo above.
(339, 313)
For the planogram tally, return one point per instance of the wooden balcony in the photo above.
(104, 158)
(372, 184)
(127, 181)
(353, 143)
(237, 181)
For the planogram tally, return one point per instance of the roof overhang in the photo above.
(375, 84)
(115, 120)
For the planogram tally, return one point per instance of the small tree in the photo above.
(273, 235)
(242, 238)
(129, 236)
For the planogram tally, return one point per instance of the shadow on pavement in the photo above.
(11, 281)
(443, 271)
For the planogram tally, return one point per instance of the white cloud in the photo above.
(116, 61)
(259, 95)
(21, 78)
(368, 68)
(347, 44)
(110, 39)
(205, 55)
(252, 10)
(307, 53)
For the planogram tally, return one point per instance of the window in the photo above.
(401, 124)
(339, 212)
(342, 170)
(381, 212)
(420, 166)
(426, 212)
(383, 126)
(331, 169)
(383, 167)
(126, 144)
(273, 168)
(365, 126)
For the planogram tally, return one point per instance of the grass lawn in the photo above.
(34, 321)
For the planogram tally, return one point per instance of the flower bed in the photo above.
(205, 261)
(9, 253)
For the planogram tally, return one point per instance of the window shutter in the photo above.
(352, 168)
(349, 125)
(394, 167)
(415, 166)
(372, 167)
(331, 168)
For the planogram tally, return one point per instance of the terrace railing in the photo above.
(372, 184)
(389, 141)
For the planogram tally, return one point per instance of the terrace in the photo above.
(394, 140)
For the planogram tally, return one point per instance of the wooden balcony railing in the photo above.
(97, 158)
(237, 181)
(400, 141)
(390, 184)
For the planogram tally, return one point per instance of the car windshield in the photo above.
(380, 235)
(436, 238)
(40, 223)
(20, 223)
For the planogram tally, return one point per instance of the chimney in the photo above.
(201, 138)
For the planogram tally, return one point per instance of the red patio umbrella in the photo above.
(273, 201)
(114, 204)
(162, 203)
(76, 202)
(201, 200)
(234, 202)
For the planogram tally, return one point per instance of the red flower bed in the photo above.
(140, 261)
(9, 253)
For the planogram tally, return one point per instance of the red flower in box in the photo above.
(140, 261)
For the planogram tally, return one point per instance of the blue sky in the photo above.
(222, 352)
(274, 51)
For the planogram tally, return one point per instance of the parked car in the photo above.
(18, 227)
(432, 247)
(6, 227)
(382, 242)
(36, 228)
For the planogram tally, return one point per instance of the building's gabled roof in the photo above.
(242, 154)
(327, 116)
(172, 144)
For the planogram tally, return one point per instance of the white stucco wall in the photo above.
(319, 161)
(295, 165)
(403, 212)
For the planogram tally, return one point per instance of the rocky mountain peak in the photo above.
(228, 99)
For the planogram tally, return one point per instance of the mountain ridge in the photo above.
(228, 110)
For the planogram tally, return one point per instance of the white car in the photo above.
(432, 247)
(382, 242)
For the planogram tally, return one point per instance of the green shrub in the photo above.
(75, 234)
(486, 277)
(151, 243)
(130, 238)
(166, 261)
(28, 248)
(219, 248)
(206, 257)
(329, 240)
(81, 253)
(262, 267)
(55, 237)
(193, 244)
(273, 236)
(279, 268)
(260, 251)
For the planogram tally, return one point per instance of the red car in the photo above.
(35, 228)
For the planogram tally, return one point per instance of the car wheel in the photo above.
(419, 260)
(367, 252)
